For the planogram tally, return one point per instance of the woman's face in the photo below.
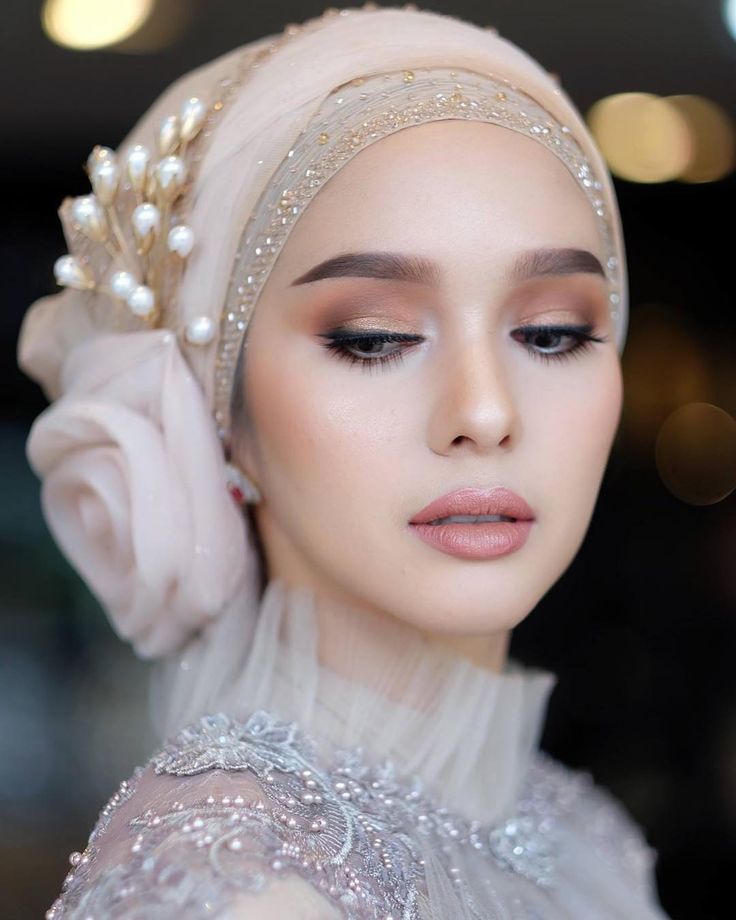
(346, 453)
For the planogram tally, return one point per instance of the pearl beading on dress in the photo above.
(346, 826)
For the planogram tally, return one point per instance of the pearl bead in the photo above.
(141, 300)
(91, 218)
(70, 273)
(192, 116)
(171, 173)
(99, 155)
(180, 240)
(122, 284)
(168, 135)
(146, 220)
(137, 166)
(105, 178)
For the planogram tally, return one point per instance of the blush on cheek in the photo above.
(300, 440)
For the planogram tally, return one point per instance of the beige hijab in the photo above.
(132, 469)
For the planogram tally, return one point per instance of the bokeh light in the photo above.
(88, 24)
(713, 142)
(642, 136)
(664, 367)
(696, 453)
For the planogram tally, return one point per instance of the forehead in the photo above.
(450, 186)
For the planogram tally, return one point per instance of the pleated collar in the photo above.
(466, 732)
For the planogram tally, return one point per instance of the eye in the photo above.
(368, 348)
(556, 343)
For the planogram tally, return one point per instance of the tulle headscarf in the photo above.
(128, 451)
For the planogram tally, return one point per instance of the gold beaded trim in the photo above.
(132, 231)
(353, 116)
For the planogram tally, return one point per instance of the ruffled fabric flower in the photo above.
(133, 479)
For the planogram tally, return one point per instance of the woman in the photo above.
(376, 283)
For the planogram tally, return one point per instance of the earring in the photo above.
(242, 489)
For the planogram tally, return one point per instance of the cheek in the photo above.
(326, 434)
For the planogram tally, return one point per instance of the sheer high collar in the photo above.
(466, 732)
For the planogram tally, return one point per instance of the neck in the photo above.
(451, 712)
(369, 645)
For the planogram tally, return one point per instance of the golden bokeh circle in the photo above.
(696, 453)
(89, 24)
(642, 137)
(664, 367)
(713, 153)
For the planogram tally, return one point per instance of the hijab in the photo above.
(129, 450)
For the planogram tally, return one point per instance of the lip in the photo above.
(475, 501)
(475, 541)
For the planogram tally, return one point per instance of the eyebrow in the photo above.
(394, 266)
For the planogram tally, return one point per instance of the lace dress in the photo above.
(401, 782)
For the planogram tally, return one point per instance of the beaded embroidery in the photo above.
(351, 829)
(129, 241)
(353, 116)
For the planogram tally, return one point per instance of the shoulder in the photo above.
(209, 822)
(589, 812)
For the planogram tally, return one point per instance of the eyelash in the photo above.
(340, 340)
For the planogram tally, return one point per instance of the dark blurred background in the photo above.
(641, 629)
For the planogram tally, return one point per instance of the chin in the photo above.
(464, 603)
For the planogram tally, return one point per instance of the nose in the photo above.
(475, 404)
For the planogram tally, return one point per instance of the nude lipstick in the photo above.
(479, 539)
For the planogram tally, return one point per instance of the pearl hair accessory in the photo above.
(134, 216)
(240, 486)
(129, 239)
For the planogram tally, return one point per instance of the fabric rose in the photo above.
(134, 487)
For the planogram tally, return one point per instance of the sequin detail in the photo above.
(351, 828)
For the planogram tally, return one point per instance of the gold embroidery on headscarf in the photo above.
(352, 117)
